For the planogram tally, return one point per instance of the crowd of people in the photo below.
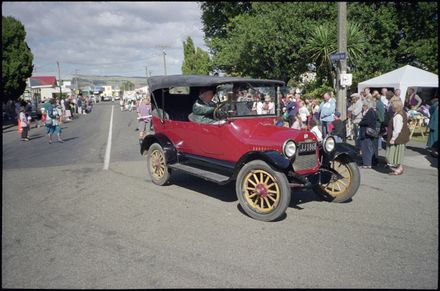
(372, 119)
(319, 117)
(53, 113)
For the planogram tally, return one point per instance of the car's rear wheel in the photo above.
(157, 165)
(341, 188)
(263, 193)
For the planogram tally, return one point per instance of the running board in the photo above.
(207, 175)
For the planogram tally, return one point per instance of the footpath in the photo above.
(416, 156)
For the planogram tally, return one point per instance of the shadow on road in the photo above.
(224, 193)
(426, 153)
(227, 193)
(70, 138)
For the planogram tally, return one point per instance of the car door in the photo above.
(210, 139)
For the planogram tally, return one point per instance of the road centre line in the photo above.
(109, 143)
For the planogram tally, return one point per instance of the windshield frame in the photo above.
(246, 93)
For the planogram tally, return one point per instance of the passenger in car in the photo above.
(204, 107)
(238, 105)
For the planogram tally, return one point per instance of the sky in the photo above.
(107, 38)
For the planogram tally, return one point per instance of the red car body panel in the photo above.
(233, 139)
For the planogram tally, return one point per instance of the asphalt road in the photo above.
(67, 223)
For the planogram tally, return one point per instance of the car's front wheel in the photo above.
(157, 165)
(344, 185)
(263, 193)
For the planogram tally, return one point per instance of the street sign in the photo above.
(346, 79)
(338, 56)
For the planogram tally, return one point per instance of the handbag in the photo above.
(371, 132)
(48, 121)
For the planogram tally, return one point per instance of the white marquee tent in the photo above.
(403, 78)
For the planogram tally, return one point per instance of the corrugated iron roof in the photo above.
(43, 81)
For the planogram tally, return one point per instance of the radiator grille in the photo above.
(306, 158)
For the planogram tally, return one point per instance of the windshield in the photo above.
(245, 99)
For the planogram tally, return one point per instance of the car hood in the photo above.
(263, 132)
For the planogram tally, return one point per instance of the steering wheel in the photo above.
(219, 112)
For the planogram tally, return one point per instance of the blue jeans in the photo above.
(324, 128)
(367, 149)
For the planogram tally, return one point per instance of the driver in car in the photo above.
(204, 107)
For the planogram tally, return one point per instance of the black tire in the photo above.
(257, 180)
(157, 165)
(341, 190)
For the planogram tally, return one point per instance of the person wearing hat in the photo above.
(338, 131)
(366, 140)
(355, 112)
(204, 107)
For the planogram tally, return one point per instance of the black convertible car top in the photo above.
(160, 82)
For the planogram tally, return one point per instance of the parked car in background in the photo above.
(240, 146)
(106, 98)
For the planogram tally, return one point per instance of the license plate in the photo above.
(306, 147)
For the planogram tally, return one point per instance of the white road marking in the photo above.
(109, 143)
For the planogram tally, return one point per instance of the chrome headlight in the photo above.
(289, 148)
(329, 144)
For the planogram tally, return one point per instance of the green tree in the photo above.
(16, 59)
(195, 60)
(275, 40)
(266, 42)
(217, 15)
(418, 23)
(323, 42)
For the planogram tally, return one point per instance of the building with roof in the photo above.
(46, 87)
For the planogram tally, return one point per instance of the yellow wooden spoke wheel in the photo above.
(343, 186)
(336, 185)
(261, 191)
(157, 165)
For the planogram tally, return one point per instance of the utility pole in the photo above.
(164, 62)
(342, 64)
(146, 71)
(59, 78)
(76, 80)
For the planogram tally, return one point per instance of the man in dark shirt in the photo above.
(339, 130)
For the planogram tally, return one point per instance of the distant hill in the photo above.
(114, 81)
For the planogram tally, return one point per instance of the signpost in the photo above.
(341, 57)
(338, 57)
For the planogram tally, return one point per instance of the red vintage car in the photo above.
(239, 142)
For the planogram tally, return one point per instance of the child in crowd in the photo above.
(297, 122)
(315, 129)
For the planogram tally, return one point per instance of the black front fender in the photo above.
(342, 150)
(166, 144)
(274, 159)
